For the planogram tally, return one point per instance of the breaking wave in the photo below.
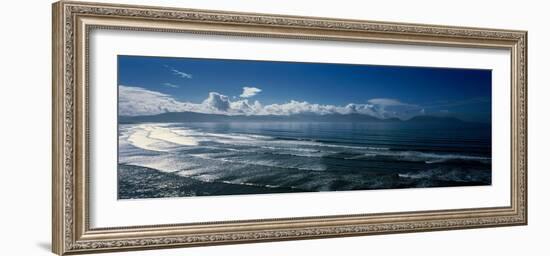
(254, 157)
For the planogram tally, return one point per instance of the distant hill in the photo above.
(201, 117)
(174, 117)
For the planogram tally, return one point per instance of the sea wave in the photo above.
(247, 156)
(274, 163)
(415, 156)
(166, 138)
(155, 136)
(446, 174)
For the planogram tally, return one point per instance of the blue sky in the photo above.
(405, 91)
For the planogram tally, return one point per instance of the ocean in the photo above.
(204, 159)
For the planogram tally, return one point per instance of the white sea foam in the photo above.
(165, 134)
(263, 162)
(193, 136)
(163, 162)
(197, 152)
(158, 138)
(240, 137)
(165, 138)
(270, 142)
(415, 156)
(452, 174)
(140, 138)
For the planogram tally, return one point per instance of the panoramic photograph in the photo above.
(212, 127)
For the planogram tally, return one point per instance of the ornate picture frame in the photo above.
(72, 23)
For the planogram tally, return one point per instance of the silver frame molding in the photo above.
(72, 23)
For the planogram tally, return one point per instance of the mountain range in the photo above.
(178, 117)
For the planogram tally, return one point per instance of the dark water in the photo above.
(253, 158)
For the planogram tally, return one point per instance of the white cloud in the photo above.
(393, 108)
(171, 85)
(217, 102)
(300, 107)
(387, 102)
(250, 91)
(246, 108)
(179, 73)
(135, 101)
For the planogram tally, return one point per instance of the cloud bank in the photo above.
(136, 101)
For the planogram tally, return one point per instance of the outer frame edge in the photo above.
(59, 243)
